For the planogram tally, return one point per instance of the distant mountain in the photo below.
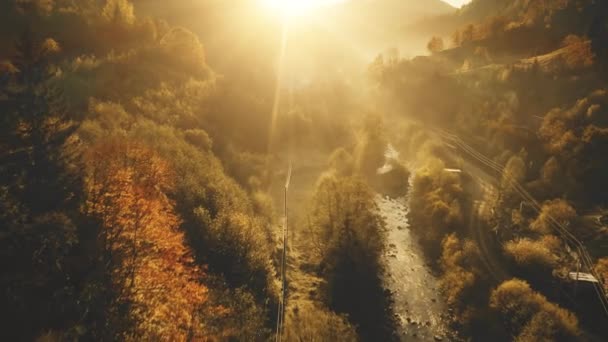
(479, 9)
(382, 24)
(558, 12)
(390, 12)
(475, 11)
(370, 25)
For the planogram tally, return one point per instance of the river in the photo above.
(419, 308)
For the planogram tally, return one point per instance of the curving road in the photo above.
(484, 191)
(484, 194)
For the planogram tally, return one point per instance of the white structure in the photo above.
(579, 276)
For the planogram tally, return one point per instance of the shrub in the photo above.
(435, 45)
(371, 146)
(527, 252)
(558, 210)
(459, 263)
(436, 205)
(198, 138)
(529, 316)
(578, 52)
(601, 267)
(348, 240)
(308, 322)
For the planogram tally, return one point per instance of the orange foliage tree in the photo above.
(150, 267)
(435, 44)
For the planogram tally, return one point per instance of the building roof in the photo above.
(580, 276)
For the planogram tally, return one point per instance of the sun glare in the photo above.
(297, 8)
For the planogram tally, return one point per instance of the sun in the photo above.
(297, 8)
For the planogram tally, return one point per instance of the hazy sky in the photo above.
(457, 3)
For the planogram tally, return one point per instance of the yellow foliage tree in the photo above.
(542, 252)
(530, 316)
(119, 11)
(578, 52)
(558, 210)
(601, 267)
(457, 263)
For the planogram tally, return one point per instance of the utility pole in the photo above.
(281, 311)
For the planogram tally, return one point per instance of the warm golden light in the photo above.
(296, 8)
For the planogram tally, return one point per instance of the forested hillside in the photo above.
(135, 177)
(227, 170)
(522, 87)
(119, 220)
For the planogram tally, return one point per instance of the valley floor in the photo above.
(419, 308)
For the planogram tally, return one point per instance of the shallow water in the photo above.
(421, 312)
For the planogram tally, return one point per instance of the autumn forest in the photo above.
(324, 170)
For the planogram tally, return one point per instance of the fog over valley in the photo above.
(293, 170)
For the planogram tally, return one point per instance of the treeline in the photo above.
(540, 120)
(134, 185)
(439, 214)
(517, 27)
(483, 307)
(119, 221)
(337, 291)
(347, 241)
(525, 88)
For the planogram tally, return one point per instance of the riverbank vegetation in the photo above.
(524, 86)
(144, 148)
